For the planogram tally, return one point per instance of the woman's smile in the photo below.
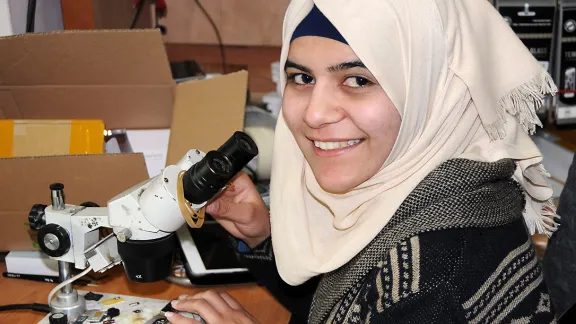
(335, 147)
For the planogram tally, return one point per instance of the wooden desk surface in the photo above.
(15, 291)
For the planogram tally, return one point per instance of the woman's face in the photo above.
(341, 118)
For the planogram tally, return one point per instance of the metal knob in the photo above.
(54, 240)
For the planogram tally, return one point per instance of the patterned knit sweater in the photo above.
(456, 251)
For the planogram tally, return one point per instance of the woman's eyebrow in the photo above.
(346, 65)
(334, 68)
(290, 64)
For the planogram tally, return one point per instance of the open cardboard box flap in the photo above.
(206, 113)
(121, 77)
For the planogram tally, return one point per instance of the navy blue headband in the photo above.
(316, 24)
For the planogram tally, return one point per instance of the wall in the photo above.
(250, 29)
(5, 23)
(13, 16)
(240, 22)
(103, 14)
(256, 60)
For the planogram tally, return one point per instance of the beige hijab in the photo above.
(465, 86)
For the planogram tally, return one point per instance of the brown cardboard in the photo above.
(26, 182)
(206, 113)
(122, 77)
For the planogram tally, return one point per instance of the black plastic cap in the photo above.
(240, 149)
(113, 312)
(36, 217)
(57, 186)
(58, 318)
(89, 204)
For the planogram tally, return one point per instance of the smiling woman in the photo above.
(405, 184)
(341, 118)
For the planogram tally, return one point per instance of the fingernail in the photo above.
(168, 314)
(183, 297)
(175, 303)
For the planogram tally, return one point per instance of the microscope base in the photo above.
(133, 309)
(72, 304)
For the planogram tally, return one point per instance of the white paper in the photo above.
(153, 144)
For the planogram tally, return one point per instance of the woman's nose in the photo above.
(323, 108)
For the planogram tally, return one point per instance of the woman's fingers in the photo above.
(211, 296)
(213, 307)
(229, 210)
(233, 303)
(198, 306)
(179, 319)
(215, 300)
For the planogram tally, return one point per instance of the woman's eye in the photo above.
(302, 79)
(356, 82)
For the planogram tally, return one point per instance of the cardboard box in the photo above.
(120, 77)
(31, 137)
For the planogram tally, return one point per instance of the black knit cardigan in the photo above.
(456, 251)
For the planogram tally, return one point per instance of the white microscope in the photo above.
(143, 219)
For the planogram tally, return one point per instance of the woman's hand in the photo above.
(242, 212)
(213, 307)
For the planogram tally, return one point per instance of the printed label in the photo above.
(112, 301)
(534, 26)
(567, 82)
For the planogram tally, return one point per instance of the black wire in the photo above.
(35, 307)
(30, 16)
(137, 14)
(217, 34)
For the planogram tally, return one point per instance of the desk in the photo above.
(15, 291)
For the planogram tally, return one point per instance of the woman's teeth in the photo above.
(335, 145)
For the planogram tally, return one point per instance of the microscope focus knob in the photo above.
(54, 240)
(36, 217)
(58, 318)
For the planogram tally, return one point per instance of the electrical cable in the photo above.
(68, 281)
(35, 307)
(30, 16)
(220, 43)
(139, 7)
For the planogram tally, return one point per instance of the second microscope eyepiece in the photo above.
(205, 178)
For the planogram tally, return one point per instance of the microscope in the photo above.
(143, 220)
